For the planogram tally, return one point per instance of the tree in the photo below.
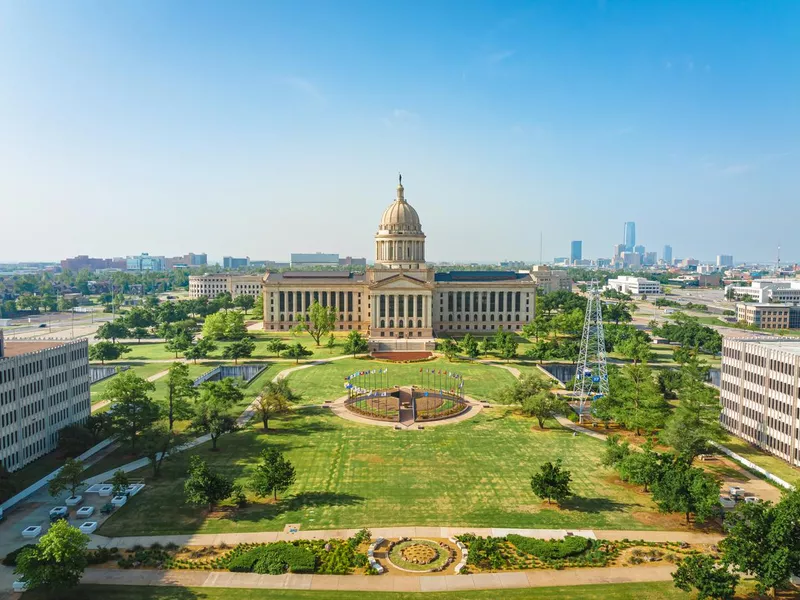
(616, 450)
(695, 421)
(65, 304)
(57, 562)
(642, 468)
(506, 344)
(318, 321)
(269, 403)
(104, 351)
(242, 348)
(272, 475)
(701, 572)
(355, 343)
(69, 477)
(470, 346)
(617, 312)
(200, 349)
(203, 486)
(539, 327)
(331, 343)
(133, 410)
(276, 346)
(258, 308)
(543, 405)
(686, 489)
(486, 346)
(211, 412)
(551, 482)
(526, 386)
(180, 342)
(641, 404)
(99, 426)
(635, 349)
(297, 351)
(180, 388)
(74, 439)
(214, 327)
(223, 301)
(235, 329)
(245, 302)
(112, 330)
(669, 380)
(156, 444)
(449, 348)
(120, 483)
(763, 540)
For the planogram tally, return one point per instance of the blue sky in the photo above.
(263, 128)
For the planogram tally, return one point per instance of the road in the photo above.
(58, 325)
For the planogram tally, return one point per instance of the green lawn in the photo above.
(773, 464)
(326, 381)
(608, 591)
(142, 370)
(158, 351)
(473, 473)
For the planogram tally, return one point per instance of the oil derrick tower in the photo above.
(591, 374)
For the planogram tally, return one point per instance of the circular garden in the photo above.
(421, 556)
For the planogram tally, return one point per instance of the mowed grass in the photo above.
(771, 463)
(326, 382)
(142, 370)
(349, 475)
(661, 590)
(158, 350)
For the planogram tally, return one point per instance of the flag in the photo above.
(420, 370)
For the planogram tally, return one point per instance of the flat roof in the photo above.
(17, 348)
(791, 345)
(344, 276)
(481, 276)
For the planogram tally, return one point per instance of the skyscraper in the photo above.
(576, 251)
(667, 254)
(724, 260)
(629, 236)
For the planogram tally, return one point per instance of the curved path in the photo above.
(340, 410)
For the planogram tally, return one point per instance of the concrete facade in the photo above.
(551, 280)
(766, 291)
(211, 285)
(401, 297)
(760, 393)
(44, 386)
(769, 316)
(635, 286)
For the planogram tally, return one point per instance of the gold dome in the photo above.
(400, 216)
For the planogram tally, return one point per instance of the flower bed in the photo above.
(423, 556)
(519, 552)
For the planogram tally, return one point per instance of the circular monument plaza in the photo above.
(435, 397)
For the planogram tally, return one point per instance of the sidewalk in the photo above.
(231, 539)
(382, 583)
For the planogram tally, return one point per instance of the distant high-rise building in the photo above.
(618, 250)
(629, 238)
(316, 259)
(231, 262)
(145, 262)
(639, 250)
(575, 251)
(724, 260)
(667, 254)
(650, 258)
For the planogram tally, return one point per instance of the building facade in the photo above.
(635, 286)
(766, 291)
(769, 316)
(145, 262)
(760, 393)
(187, 261)
(93, 264)
(551, 280)
(666, 255)
(629, 236)
(232, 262)
(400, 302)
(212, 285)
(724, 260)
(575, 252)
(44, 386)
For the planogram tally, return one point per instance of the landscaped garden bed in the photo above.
(516, 552)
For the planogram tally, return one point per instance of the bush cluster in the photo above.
(102, 555)
(11, 558)
(550, 549)
(272, 559)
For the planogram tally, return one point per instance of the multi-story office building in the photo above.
(629, 236)
(650, 258)
(575, 251)
(769, 316)
(631, 259)
(724, 260)
(83, 261)
(760, 393)
(551, 280)
(314, 259)
(764, 291)
(231, 262)
(639, 249)
(635, 286)
(187, 260)
(44, 386)
(666, 256)
(213, 284)
(145, 262)
(349, 261)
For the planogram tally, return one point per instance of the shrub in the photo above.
(11, 558)
(101, 555)
(272, 559)
(550, 549)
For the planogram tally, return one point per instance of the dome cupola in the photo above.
(400, 242)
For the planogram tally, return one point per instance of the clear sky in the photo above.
(263, 128)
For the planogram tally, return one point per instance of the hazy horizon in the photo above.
(260, 129)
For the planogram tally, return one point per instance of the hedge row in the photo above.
(273, 559)
(550, 549)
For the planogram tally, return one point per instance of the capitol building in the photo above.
(400, 302)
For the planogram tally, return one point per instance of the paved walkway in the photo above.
(213, 539)
(383, 583)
